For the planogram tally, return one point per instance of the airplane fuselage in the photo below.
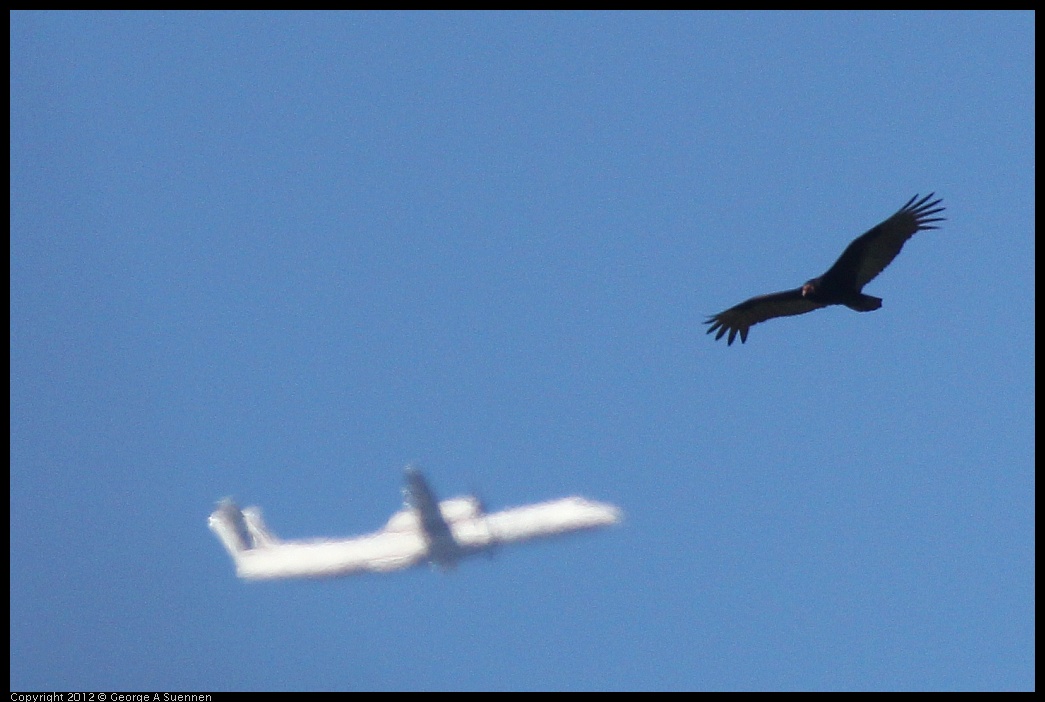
(440, 533)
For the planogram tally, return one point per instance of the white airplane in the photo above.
(440, 533)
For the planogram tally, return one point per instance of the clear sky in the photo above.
(280, 256)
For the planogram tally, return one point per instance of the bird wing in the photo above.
(740, 318)
(871, 252)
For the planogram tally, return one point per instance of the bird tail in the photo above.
(866, 303)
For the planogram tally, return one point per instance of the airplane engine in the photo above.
(460, 508)
(404, 520)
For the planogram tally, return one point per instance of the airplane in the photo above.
(424, 531)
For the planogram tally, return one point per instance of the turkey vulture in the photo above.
(858, 265)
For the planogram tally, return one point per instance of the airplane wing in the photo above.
(443, 549)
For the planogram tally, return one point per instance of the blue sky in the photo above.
(279, 256)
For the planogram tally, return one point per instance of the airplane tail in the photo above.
(240, 530)
(228, 524)
(259, 533)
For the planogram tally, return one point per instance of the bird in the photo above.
(862, 260)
